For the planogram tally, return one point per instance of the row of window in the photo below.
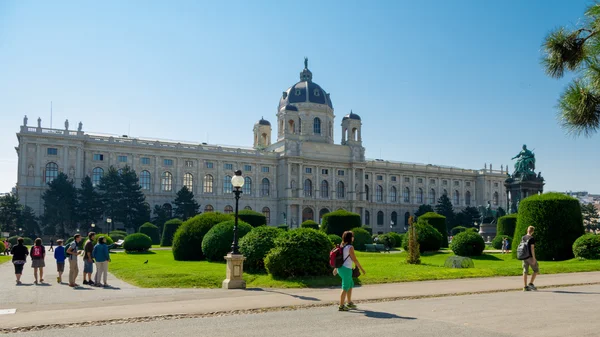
(420, 180)
(420, 195)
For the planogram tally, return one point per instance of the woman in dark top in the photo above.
(19, 253)
(38, 254)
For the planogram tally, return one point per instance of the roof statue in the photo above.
(525, 165)
(306, 63)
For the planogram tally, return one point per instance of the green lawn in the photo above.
(162, 271)
(4, 258)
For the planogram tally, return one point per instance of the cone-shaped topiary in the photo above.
(152, 231)
(558, 223)
(169, 229)
(309, 224)
(467, 243)
(340, 221)
(506, 225)
(255, 246)
(187, 242)
(217, 242)
(438, 222)
(253, 218)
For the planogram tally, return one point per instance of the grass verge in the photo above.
(5, 258)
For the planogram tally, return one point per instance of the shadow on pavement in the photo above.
(379, 314)
(300, 297)
(575, 292)
(25, 285)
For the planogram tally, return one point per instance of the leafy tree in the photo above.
(577, 50)
(423, 209)
(60, 201)
(590, 216)
(110, 193)
(161, 215)
(444, 207)
(89, 203)
(466, 216)
(29, 222)
(185, 204)
(133, 209)
(9, 212)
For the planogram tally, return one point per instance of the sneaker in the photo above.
(85, 282)
(351, 305)
(531, 286)
(343, 308)
(526, 289)
(91, 283)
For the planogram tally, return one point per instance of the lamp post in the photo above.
(20, 231)
(108, 221)
(235, 260)
(93, 225)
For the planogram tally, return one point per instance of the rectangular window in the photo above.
(52, 151)
(468, 183)
(406, 179)
(308, 170)
(379, 177)
(145, 161)
(122, 159)
(366, 176)
(324, 171)
(168, 162)
(394, 178)
(248, 168)
(456, 183)
(228, 167)
(445, 182)
(264, 169)
(98, 157)
(432, 182)
(420, 180)
(495, 184)
(341, 172)
(209, 164)
(189, 163)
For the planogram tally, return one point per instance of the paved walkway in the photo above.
(38, 305)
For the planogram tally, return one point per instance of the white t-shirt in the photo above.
(346, 255)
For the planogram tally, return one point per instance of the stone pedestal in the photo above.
(519, 188)
(488, 231)
(235, 272)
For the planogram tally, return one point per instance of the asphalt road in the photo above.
(548, 312)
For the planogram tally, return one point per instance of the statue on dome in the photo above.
(66, 124)
(80, 127)
(25, 120)
(525, 164)
(39, 122)
(306, 63)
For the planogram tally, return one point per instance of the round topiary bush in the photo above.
(361, 238)
(458, 229)
(152, 231)
(310, 224)
(429, 238)
(137, 242)
(256, 245)
(438, 222)
(467, 244)
(107, 239)
(335, 239)
(26, 241)
(506, 225)
(387, 240)
(253, 218)
(587, 247)
(217, 242)
(397, 238)
(300, 252)
(187, 241)
(169, 229)
(340, 221)
(558, 223)
(497, 242)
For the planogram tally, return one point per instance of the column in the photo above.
(317, 186)
(79, 165)
(65, 158)
(353, 196)
(22, 164)
(156, 175)
(39, 171)
(333, 187)
(288, 180)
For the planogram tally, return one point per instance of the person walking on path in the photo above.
(345, 271)
(19, 253)
(38, 254)
(531, 261)
(60, 257)
(503, 245)
(88, 259)
(6, 247)
(51, 245)
(72, 254)
(102, 256)
(506, 245)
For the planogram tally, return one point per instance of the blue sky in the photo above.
(443, 82)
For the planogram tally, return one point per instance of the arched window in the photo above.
(394, 219)
(431, 196)
(341, 192)
(227, 187)
(367, 192)
(51, 172)
(308, 188)
(292, 126)
(248, 208)
(317, 126)
(380, 218)
(456, 198)
(265, 187)
(495, 199)
(308, 214)
(188, 181)
(468, 198)
(168, 209)
(267, 213)
(419, 196)
(247, 188)
(208, 184)
(393, 194)
(208, 209)
(166, 182)
(145, 179)
(406, 194)
(324, 189)
(367, 218)
(97, 174)
(228, 209)
(379, 193)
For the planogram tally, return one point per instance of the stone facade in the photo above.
(301, 176)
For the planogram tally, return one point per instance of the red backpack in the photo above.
(37, 251)
(336, 257)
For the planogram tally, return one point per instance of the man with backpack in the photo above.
(526, 253)
(72, 254)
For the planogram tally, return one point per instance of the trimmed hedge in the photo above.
(586, 247)
(397, 237)
(438, 222)
(137, 242)
(169, 229)
(361, 238)
(2, 247)
(116, 237)
(335, 239)
(256, 245)
(506, 225)
(467, 244)
(118, 232)
(387, 240)
(300, 252)
(429, 238)
(558, 223)
(458, 229)
(107, 239)
(152, 231)
(497, 242)
(284, 227)
(217, 242)
(253, 218)
(310, 224)
(339, 221)
(26, 241)
(187, 241)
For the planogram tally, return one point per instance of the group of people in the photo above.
(97, 254)
(6, 246)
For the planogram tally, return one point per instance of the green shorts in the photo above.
(346, 274)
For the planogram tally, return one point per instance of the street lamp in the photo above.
(93, 225)
(20, 231)
(108, 221)
(235, 260)
(237, 181)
